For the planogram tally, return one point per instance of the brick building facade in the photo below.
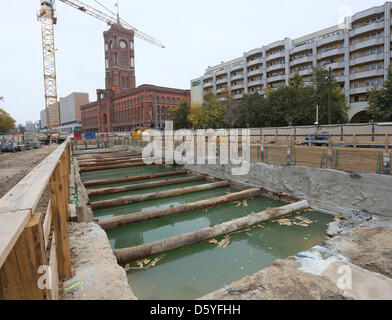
(122, 106)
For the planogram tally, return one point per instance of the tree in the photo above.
(196, 116)
(21, 128)
(254, 111)
(231, 109)
(181, 113)
(213, 112)
(325, 89)
(380, 101)
(7, 123)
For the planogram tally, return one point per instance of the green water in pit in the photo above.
(196, 270)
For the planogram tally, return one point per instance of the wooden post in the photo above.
(157, 195)
(146, 250)
(65, 182)
(19, 275)
(135, 178)
(111, 223)
(59, 218)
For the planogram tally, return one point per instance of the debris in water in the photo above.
(144, 264)
(284, 222)
(244, 203)
(213, 241)
(225, 242)
(301, 224)
(238, 204)
(305, 220)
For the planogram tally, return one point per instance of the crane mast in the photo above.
(48, 20)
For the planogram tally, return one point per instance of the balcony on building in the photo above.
(237, 77)
(276, 78)
(366, 28)
(223, 80)
(221, 90)
(330, 52)
(367, 74)
(255, 62)
(238, 66)
(255, 83)
(368, 58)
(334, 37)
(277, 66)
(208, 84)
(221, 71)
(237, 86)
(302, 60)
(367, 43)
(208, 76)
(255, 72)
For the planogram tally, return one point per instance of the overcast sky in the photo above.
(197, 34)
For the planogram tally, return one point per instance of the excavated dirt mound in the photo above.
(369, 248)
(282, 281)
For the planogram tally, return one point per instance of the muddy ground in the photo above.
(15, 166)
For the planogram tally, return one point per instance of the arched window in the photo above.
(149, 98)
(132, 62)
(168, 100)
(163, 100)
(157, 99)
(131, 44)
(106, 46)
(106, 63)
(173, 101)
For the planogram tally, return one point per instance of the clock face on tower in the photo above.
(123, 44)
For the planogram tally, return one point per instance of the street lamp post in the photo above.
(329, 95)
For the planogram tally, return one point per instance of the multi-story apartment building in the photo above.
(358, 53)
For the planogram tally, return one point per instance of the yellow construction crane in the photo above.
(48, 19)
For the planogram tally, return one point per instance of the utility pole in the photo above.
(329, 95)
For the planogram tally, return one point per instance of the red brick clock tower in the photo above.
(119, 59)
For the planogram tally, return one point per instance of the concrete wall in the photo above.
(360, 191)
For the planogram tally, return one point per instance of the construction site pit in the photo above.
(197, 269)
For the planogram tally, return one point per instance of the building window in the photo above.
(173, 101)
(131, 44)
(157, 99)
(132, 62)
(168, 100)
(150, 99)
(163, 100)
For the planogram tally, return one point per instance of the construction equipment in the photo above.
(48, 19)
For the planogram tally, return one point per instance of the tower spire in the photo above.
(118, 13)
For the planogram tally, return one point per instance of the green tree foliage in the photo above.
(380, 101)
(209, 115)
(294, 104)
(7, 123)
(322, 88)
(213, 112)
(253, 111)
(21, 128)
(196, 116)
(180, 116)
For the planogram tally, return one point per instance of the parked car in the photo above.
(9, 146)
(318, 140)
